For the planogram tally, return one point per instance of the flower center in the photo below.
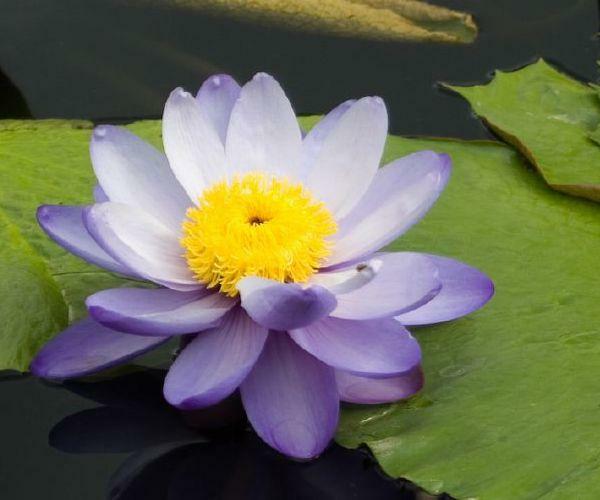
(256, 225)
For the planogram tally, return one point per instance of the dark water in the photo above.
(103, 60)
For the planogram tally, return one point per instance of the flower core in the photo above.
(256, 225)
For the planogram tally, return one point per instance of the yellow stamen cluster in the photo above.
(256, 225)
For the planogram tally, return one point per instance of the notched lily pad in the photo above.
(374, 19)
(509, 408)
(549, 117)
(511, 390)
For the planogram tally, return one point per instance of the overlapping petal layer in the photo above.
(400, 195)
(291, 398)
(214, 364)
(464, 290)
(284, 306)
(161, 312)
(64, 224)
(293, 349)
(140, 242)
(88, 347)
(363, 390)
(374, 348)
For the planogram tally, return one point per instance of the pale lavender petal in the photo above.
(161, 312)
(215, 363)
(346, 279)
(192, 145)
(133, 172)
(99, 194)
(283, 306)
(363, 390)
(216, 98)
(64, 224)
(464, 290)
(400, 282)
(400, 195)
(263, 133)
(349, 156)
(313, 142)
(374, 348)
(87, 347)
(291, 399)
(141, 243)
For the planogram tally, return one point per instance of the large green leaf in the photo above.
(549, 118)
(510, 408)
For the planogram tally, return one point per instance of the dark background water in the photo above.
(107, 61)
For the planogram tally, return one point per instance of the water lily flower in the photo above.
(265, 246)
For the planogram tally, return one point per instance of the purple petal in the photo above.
(313, 142)
(214, 364)
(400, 195)
(216, 98)
(464, 290)
(283, 306)
(192, 145)
(87, 347)
(363, 390)
(349, 156)
(263, 133)
(400, 282)
(133, 172)
(64, 224)
(161, 312)
(141, 243)
(291, 399)
(374, 348)
(99, 194)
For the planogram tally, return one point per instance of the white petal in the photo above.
(401, 194)
(263, 133)
(313, 142)
(192, 145)
(140, 242)
(350, 156)
(216, 98)
(133, 172)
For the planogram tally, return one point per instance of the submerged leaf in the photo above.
(509, 408)
(374, 19)
(549, 118)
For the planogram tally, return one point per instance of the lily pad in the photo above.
(510, 405)
(43, 286)
(373, 19)
(509, 409)
(31, 308)
(548, 117)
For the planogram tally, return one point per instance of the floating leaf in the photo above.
(374, 19)
(510, 405)
(509, 408)
(31, 308)
(548, 117)
(43, 286)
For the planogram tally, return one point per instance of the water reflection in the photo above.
(218, 458)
